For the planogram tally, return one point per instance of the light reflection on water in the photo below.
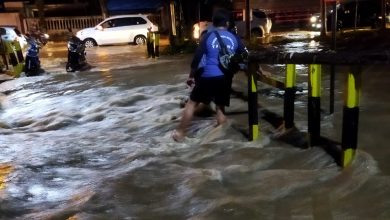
(96, 145)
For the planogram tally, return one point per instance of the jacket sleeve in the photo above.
(241, 49)
(200, 51)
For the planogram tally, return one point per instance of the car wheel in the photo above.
(89, 43)
(140, 40)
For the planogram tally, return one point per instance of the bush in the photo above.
(175, 47)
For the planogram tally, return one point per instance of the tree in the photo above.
(383, 14)
(103, 7)
(41, 14)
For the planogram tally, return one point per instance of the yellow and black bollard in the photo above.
(314, 104)
(149, 44)
(289, 96)
(253, 116)
(153, 44)
(156, 44)
(351, 116)
(14, 51)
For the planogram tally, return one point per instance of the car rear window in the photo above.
(138, 20)
(18, 32)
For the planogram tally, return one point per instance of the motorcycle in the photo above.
(40, 37)
(43, 38)
(76, 54)
(32, 65)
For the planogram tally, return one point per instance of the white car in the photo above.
(260, 24)
(11, 34)
(118, 30)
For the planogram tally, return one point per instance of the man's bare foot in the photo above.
(177, 136)
(221, 121)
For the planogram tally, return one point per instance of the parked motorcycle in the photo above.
(43, 38)
(32, 65)
(40, 37)
(76, 55)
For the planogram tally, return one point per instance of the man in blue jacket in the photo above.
(212, 85)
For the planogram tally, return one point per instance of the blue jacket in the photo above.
(209, 48)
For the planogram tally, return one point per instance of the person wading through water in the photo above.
(212, 85)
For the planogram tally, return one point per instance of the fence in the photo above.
(61, 24)
(344, 152)
(57, 25)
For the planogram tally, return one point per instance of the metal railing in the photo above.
(345, 151)
(60, 24)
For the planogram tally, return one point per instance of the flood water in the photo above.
(96, 145)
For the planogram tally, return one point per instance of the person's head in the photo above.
(220, 18)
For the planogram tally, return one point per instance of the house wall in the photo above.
(279, 5)
(284, 13)
(11, 19)
(13, 6)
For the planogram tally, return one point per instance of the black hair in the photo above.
(220, 18)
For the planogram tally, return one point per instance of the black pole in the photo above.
(323, 18)
(247, 20)
(332, 88)
(355, 17)
(383, 13)
(334, 25)
(332, 67)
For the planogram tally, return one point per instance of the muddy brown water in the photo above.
(96, 145)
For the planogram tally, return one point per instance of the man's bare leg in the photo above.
(221, 118)
(186, 118)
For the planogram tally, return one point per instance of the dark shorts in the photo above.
(212, 89)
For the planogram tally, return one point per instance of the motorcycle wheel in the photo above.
(29, 68)
(69, 68)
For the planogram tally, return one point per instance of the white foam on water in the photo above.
(82, 140)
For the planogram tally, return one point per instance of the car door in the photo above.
(137, 26)
(123, 31)
(108, 34)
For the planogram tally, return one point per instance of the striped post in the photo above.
(314, 104)
(351, 116)
(289, 96)
(156, 44)
(150, 44)
(252, 102)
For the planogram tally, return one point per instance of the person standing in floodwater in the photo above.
(212, 85)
